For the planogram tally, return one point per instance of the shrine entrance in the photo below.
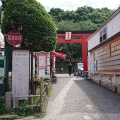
(65, 37)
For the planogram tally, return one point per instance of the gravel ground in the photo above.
(75, 98)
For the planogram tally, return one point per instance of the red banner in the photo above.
(58, 54)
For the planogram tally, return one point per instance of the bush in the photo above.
(2, 106)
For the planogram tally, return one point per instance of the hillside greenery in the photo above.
(82, 19)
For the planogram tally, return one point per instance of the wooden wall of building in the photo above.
(107, 56)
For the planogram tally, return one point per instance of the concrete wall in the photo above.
(108, 80)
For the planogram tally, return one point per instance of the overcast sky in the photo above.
(74, 4)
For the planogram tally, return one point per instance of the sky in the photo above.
(74, 4)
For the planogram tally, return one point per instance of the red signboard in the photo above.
(14, 37)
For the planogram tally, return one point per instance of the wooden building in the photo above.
(104, 53)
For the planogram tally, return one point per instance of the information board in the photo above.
(42, 59)
(20, 73)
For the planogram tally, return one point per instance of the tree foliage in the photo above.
(90, 18)
(70, 25)
(38, 28)
(71, 50)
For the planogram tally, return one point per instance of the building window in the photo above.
(103, 34)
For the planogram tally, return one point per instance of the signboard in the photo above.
(14, 37)
(2, 66)
(41, 73)
(42, 59)
(67, 35)
(20, 73)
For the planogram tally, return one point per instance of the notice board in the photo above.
(20, 72)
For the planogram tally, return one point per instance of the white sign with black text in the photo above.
(20, 73)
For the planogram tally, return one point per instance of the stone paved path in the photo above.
(75, 98)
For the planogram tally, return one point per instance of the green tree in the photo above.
(38, 28)
(99, 16)
(56, 14)
(77, 26)
(83, 12)
(86, 14)
(72, 50)
(69, 15)
(66, 25)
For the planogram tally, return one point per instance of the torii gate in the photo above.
(68, 37)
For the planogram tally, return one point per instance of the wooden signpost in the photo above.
(42, 64)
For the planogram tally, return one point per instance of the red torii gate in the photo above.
(68, 37)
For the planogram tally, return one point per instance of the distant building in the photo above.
(104, 53)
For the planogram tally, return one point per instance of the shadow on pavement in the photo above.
(104, 100)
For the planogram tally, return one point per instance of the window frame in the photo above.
(103, 34)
